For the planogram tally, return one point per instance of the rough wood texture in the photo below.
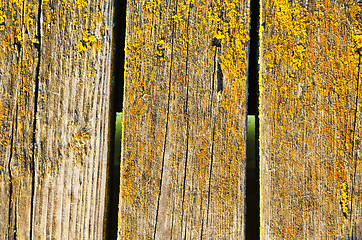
(183, 162)
(54, 103)
(310, 119)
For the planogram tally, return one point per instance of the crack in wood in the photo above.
(13, 130)
(187, 122)
(354, 155)
(220, 76)
(212, 140)
(36, 93)
(166, 127)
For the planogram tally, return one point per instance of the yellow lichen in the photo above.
(227, 24)
(160, 51)
(2, 20)
(19, 37)
(86, 42)
(81, 3)
(294, 24)
(219, 35)
(298, 56)
(17, 2)
(82, 134)
(177, 17)
(344, 198)
(357, 40)
(261, 29)
(356, 34)
(35, 41)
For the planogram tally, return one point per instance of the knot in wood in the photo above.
(216, 42)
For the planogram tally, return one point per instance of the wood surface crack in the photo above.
(166, 127)
(354, 155)
(220, 77)
(14, 129)
(187, 123)
(36, 92)
(212, 139)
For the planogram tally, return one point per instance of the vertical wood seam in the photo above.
(212, 143)
(13, 130)
(354, 155)
(166, 127)
(187, 123)
(36, 93)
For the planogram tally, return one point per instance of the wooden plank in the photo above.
(55, 83)
(17, 107)
(310, 119)
(183, 154)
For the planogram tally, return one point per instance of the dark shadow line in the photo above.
(252, 218)
(116, 105)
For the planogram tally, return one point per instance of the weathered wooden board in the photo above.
(183, 154)
(310, 119)
(54, 103)
(17, 93)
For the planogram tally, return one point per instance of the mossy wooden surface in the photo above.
(310, 119)
(54, 98)
(183, 162)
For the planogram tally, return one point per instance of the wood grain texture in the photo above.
(17, 107)
(54, 103)
(183, 154)
(310, 120)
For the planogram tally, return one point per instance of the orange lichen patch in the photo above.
(81, 145)
(82, 134)
(4, 125)
(86, 41)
